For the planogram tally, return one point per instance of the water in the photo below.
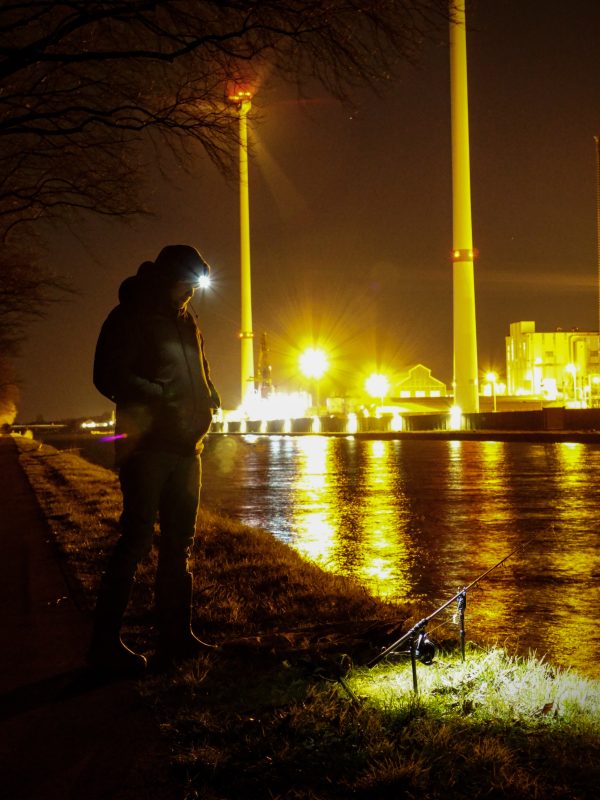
(418, 520)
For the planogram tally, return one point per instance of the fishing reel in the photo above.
(425, 648)
(422, 647)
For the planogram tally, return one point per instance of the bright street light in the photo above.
(492, 379)
(377, 386)
(313, 363)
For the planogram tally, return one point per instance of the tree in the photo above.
(86, 83)
(87, 86)
(9, 393)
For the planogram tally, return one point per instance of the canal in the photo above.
(417, 520)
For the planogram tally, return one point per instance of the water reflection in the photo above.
(419, 520)
(315, 525)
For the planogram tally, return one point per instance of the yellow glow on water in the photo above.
(378, 448)
(567, 558)
(419, 520)
(501, 514)
(329, 526)
(384, 551)
(317, 532)
(318, 539)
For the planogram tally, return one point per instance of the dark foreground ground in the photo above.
(62, 736)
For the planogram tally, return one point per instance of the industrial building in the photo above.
(554, 365)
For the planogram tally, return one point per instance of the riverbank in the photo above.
(278, 712)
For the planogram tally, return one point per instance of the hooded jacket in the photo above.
(150, 361)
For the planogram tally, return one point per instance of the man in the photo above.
(150, 361)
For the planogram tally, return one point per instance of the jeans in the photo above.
(160, 484)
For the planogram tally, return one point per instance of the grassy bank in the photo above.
(286, 709)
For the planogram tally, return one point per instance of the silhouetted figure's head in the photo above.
(180, 262)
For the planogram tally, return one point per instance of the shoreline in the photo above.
(584, 437)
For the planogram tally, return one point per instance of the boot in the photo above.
(176, 640)
(108, 654)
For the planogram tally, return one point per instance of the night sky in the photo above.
(351, 219)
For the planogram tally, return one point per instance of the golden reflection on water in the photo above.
(383, 565)
(569, 558)
(351, 532)
(313, 515)
(477, 523)
(420, 520)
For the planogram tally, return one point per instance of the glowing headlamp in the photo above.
(203, 282)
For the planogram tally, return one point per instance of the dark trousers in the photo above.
(166, 485)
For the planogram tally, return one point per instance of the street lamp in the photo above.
(572, 370)
(377, 386)
(313, 363)
(492, 378)
(242, 99)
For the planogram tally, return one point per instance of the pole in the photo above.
(246, 333)
(466, 391)
(597, 141)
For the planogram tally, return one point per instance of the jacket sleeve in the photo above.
(117, 352)
(214, 395)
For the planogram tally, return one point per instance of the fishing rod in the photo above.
(420, 646)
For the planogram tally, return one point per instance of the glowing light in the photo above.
(352, 424)
(397, 423)
(455, 418)
(377, 385)
(240, 96)
(204, 281)
(491, 378)
(313, 363)
(277, 405)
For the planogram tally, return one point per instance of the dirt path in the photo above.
(62, 736)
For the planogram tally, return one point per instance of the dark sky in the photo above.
(351, 218)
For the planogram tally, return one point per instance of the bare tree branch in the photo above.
(87, 86)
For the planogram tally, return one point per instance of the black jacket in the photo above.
(150, 361)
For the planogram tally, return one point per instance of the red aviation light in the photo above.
(464, 255)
